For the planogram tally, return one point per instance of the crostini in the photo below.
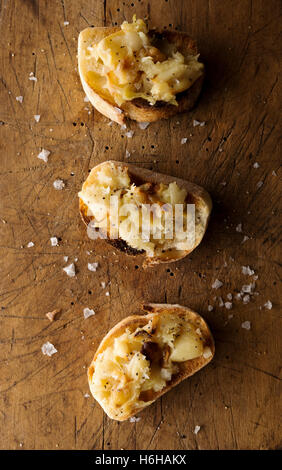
(145, 75)
(144, 199)
(145, 356)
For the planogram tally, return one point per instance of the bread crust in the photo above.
(197, 195)
(138, 109)
(186, 369)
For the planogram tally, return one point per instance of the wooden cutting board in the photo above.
(235, 156)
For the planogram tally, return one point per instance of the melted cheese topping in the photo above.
(140, 216)
(142, 361)
(126, 65)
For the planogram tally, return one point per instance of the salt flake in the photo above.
(197, 429)
(246, 325)
(93, 267)
(48, 349)
(54, 241)
(58, 184)
(217, 284)
(70, 270)
(43, 155)
(87, 312)
(133, 419)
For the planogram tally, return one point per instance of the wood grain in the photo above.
(235, 400)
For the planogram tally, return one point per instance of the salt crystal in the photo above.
(86, 100)
(30, 245)
(228, 305)
(221, 303)
(259, 184)
(198, 123)
(229, 296)
(19, 98)
(129, 134)
(248, 288)
(103, 285)
(207, 352)
(256, 165)
(247, 271)
(70, 270)
(107, 293)
(245, 238)
(66, 259)
(48, 349)
(143, 125)
(32, 78)
(274, 173)
(197, 429)
(66, 23)
(54, 241)
(58, 184)
(184, 140)
(43, 155)
(127, 154)
(246, 325)
(268, 305)
(87, 312)
(133, 419)
(239, 228)
(86, 395)
(246, 299)
(210, 308)
(217, 284)
(93, 267)
(37, 117)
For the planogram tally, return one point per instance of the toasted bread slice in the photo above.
(137, 109)
(121, 400)
(195, 195)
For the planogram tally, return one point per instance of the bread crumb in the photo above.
(51, 315)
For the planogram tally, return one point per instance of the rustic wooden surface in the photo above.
(235, 400)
